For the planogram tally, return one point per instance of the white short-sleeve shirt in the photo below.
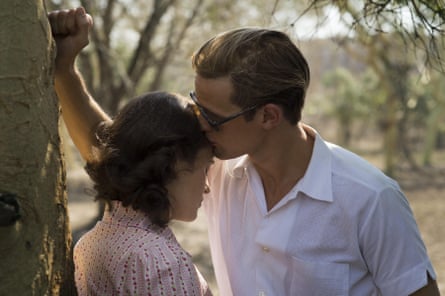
(344, 229)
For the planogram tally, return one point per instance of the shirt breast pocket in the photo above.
(319, 278)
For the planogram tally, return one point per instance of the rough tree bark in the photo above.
(35, 250)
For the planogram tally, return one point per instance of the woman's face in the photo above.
(186, 191)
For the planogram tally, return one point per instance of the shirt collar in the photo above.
(238, 166)
(316, 182)
(126, 216)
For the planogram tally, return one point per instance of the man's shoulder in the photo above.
(349, 167)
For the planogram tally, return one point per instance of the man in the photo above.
(289, 214)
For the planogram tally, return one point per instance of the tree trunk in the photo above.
(35, 247)
(390, 135)
(431, 134)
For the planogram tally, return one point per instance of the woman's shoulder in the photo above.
(160, 247)
(164, 264)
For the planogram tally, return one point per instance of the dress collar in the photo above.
(128, 217)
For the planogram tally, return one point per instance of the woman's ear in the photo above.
(272, 115)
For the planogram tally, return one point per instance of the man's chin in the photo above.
(219, 154)
(223, 155)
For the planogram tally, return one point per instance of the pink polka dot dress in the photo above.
(126, 254)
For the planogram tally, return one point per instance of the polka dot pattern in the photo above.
(125, 254)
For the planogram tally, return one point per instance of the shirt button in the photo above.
(266, 250)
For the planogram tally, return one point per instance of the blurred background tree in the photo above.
(374, 63)
(400, 41)
(386, 59)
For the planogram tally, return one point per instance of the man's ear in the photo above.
(272, 115)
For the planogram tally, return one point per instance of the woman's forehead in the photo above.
(203, 159)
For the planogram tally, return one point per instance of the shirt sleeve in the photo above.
(392, 246)
(136, 275)
(159, 275)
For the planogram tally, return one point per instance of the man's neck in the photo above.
(282, 162)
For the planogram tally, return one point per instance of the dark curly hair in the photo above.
(138, 152)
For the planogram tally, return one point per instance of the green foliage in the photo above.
(352, 95)
(121, 61)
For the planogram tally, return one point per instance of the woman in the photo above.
(150, 167)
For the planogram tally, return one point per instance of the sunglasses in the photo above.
(214, 120)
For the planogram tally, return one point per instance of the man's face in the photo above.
(234, 137)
